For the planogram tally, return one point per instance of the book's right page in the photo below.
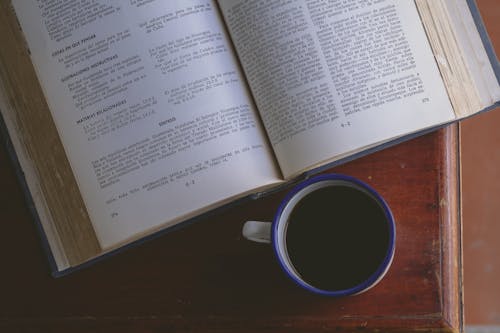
(331, 78)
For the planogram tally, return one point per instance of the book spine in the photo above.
(7, 143)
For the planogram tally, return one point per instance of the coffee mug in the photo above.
(332, 234)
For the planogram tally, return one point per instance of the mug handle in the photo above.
(257, 231)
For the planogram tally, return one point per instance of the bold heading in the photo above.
(86, 69)
(101, 111)
(73, 45)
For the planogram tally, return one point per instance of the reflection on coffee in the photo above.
(337, 237)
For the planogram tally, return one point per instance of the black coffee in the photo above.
(337, 237)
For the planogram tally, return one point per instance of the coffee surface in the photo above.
(337, 237)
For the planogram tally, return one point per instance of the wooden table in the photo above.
(207, 278)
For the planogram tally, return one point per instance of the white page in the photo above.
(151, 108)
(321, 79)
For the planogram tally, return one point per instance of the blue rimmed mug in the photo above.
(332, 235)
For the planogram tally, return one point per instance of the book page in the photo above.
(332, 77)
(151, 108)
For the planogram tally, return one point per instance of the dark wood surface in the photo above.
(206, 278)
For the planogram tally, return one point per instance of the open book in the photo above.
(147, 113)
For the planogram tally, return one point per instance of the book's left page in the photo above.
(151, 108)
